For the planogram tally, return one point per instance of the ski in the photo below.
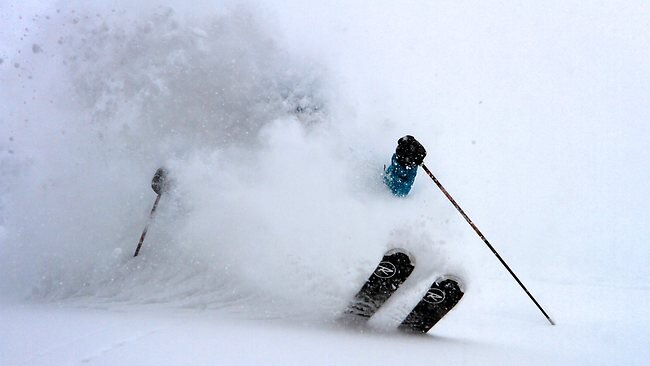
(442, 296)
(390, 274)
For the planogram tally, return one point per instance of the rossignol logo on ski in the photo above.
(385, 270)
(434, 296)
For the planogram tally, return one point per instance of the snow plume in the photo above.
(111, 97)
(274, 202)
(275, 119)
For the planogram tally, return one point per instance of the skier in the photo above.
(400, 175)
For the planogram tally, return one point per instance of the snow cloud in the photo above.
(275, 120)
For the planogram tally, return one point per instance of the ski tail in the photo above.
(393, 270)
(445, 292)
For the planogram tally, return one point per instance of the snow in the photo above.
(275, 119)
(83, 333)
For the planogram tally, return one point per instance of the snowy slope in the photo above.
(162, 336)
(475, 333)
(275, 119)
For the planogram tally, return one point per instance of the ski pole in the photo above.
(480, 234)
(146, 227)
(159, 184)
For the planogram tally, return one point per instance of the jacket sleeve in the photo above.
(399, 178)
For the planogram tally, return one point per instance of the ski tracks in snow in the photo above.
(46, 356)
(115, 346)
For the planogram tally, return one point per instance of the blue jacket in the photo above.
(399, 178)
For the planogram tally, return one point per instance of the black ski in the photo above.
(390, 274)
(442, 296)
